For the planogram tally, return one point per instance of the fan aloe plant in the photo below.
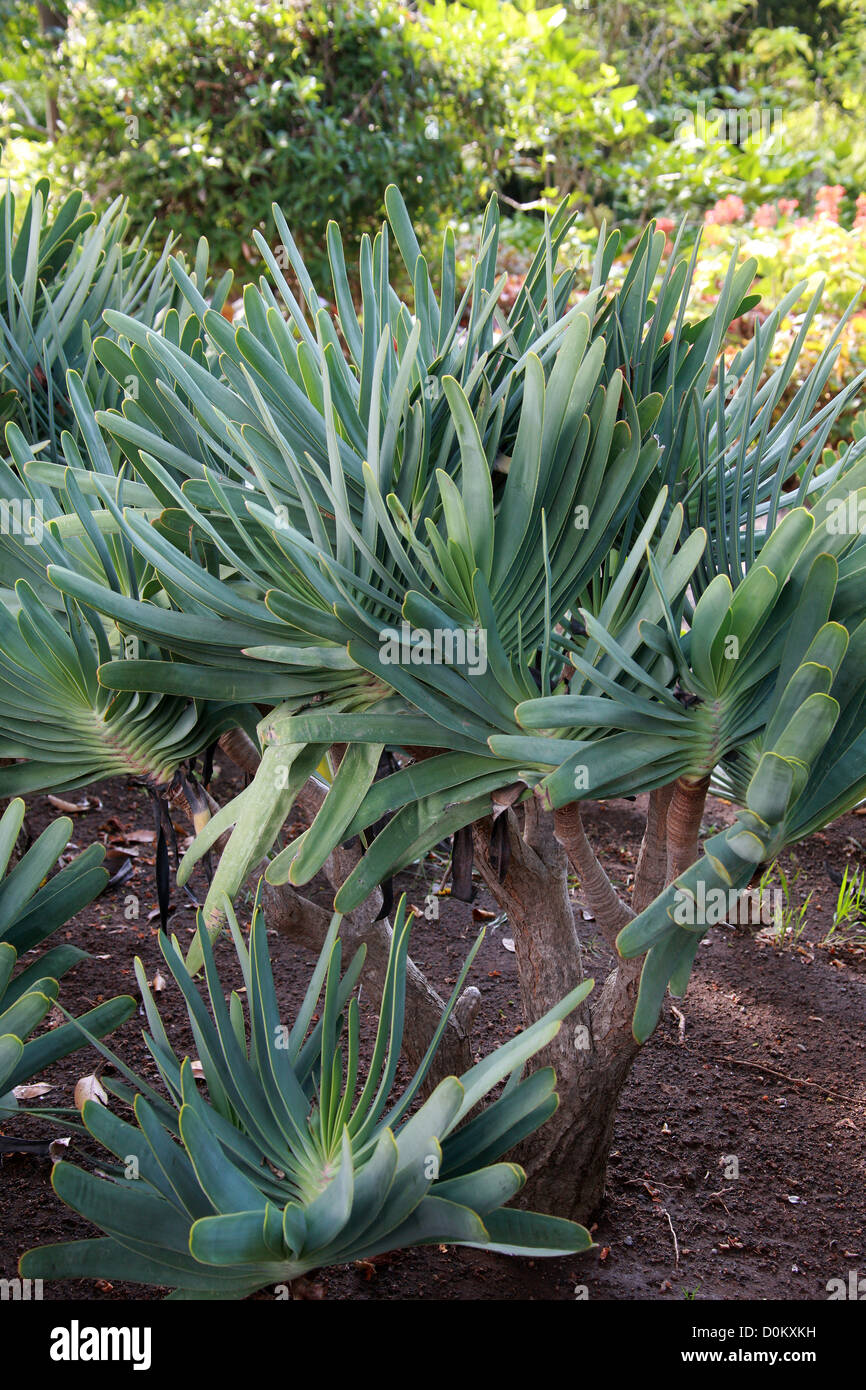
(30, 911)
(355, 495)
(58, 727)
(296, 1157)
(435, 478)
(784, 707)
(67, 730)
(61, 267)
(613, 520)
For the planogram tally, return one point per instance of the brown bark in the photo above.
(51, 21)
(566, 1159)
(296, 917)
(240, 748)
(684, 823)
(598, 892)
(651, 872)
(549, 959)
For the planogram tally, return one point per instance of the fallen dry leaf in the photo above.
(39, 1088)
(89, 1088)
(69, 808)
(119, 866)
(508, 943)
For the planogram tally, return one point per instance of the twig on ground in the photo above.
(444, 879)
(717, 1197)
(792, 1080)
(666, 1213)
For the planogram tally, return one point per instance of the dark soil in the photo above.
(764, 1075)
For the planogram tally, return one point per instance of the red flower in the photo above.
(726, 210)
(827, 202)
(765, 216)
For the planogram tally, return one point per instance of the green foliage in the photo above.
(296, 1159)
(351, 489)
(31, 909)
(849, 913)
(669, 46)
(686, 172)
(202, 114)
(359, 490)
(60, 268)
(789, 917)
(541, 112)
(645, 530)
(807, 765)
(61, 729)
(787, 247)
(58, 728)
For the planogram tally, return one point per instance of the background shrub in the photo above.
(205, 114)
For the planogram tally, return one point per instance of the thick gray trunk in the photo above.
(566, 1160)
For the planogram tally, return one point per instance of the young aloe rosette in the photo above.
(293, 1156)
